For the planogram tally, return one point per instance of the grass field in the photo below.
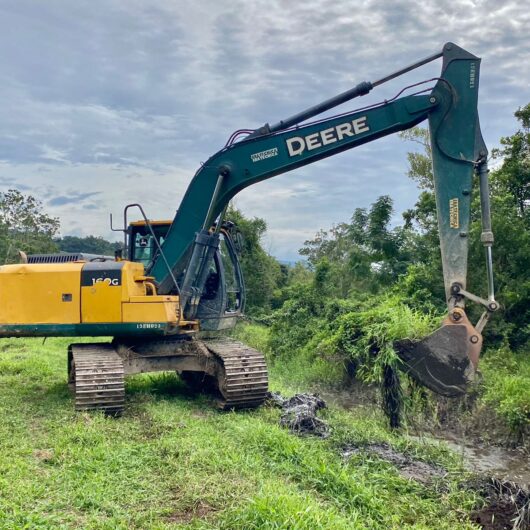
(174, 461)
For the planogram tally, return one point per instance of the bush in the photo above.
(507, 388)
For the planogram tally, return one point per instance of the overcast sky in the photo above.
(103, 103)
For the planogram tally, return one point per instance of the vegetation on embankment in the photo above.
(506, 389)
(497, 409)
(368, 284)
(174, 461)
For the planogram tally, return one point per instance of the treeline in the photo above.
(25, 226)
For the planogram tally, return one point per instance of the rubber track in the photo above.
(244, 382)
(99, 378)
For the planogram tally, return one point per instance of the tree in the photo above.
(362, 255)
(423, 284)
(24, 226)
(88, 244)
(263, 273)
(515, 173)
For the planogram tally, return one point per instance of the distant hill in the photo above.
(88, 244)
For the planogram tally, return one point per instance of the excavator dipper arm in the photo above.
(446, 360)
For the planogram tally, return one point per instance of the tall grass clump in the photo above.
(366, 338)
(318, 341)
(507, 391)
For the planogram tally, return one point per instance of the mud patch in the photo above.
(408, 467)
(299, 413)
(506, 505)
(44, 455)
(497, 462)
(201, 510)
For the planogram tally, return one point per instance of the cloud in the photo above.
(127, 98)
(72, 198)
(9, 183)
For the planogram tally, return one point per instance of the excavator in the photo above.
(179, 282)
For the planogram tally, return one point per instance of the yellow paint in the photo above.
(101, 303)
(151, 309)
(153, 223)
(33, 294)
(38, 294)
(133, 283)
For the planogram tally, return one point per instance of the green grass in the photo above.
(507, 387)
(297, 371)
(174, 461)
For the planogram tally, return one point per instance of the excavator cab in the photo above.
(142, 245)
(222, 299)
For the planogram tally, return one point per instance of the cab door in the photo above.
(223, 297)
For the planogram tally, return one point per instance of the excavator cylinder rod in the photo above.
(361, 89)
(409, 68)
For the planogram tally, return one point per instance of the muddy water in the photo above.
(499, 462)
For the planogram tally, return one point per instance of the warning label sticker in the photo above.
(454, 220)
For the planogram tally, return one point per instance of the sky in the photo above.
(105, 103)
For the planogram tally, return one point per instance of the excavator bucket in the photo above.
(446, 361)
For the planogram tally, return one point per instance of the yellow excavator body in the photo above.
(78, 293)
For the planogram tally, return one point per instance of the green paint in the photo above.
(456, 144)
(451, 108)
(84, 330)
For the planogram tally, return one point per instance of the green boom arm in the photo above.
(457, 148)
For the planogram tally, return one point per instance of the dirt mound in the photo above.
(299, 413)
(506, 505)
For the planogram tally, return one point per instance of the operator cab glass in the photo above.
(233, 281)
(142, 245)
(223, 295)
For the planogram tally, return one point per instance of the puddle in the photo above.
(499, 462)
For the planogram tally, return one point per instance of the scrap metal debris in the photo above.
(299, 413)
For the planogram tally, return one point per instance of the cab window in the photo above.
(143, 247)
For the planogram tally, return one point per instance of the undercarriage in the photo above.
(235, 373)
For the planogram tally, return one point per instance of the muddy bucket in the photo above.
(446, 361)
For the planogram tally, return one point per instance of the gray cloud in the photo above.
(72, 198)
(129, 97)
(8, 183)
